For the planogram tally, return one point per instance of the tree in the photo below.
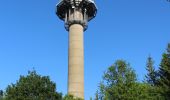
(101, 93)
(151, 81)
(33, 87)
(151, 76)
(1, 95)
(119, 82)
(71, 97)
(97, 95)
(164, 74)
(91, 98)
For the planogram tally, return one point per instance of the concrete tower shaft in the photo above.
(76, 14)
(76, 61)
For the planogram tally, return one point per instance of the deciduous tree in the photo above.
(119, 82)
(71, 97)
(33, 87)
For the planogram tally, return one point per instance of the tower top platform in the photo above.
(65, 9)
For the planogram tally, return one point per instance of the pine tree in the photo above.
(1, 95)
(91, 98)
(164, 74)
(151, 76)
(97, 95)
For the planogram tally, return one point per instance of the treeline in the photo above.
(33, 87)
(119, 82)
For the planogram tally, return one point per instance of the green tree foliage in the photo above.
(151, 76)
(91, 98)
(143, 91)
(151, 81)
(101, 92)
(164, 74)
(97, 95)
(119, 82)
(32, 87)
(1, 95)
(71, 97)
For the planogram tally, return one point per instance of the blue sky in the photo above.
(32, 36)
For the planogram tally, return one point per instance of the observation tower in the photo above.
(76, 14)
